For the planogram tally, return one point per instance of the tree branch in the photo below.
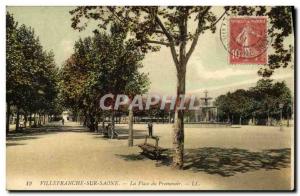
(183, 38)
(170, 38)
(213, 24)
(157, 42)
(165, 32)
(158, 31)
(197, 33)
(115, 15)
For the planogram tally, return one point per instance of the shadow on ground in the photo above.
(13, 138)
(131, 157)
(225, 161)
(14, 144)
(33, 133)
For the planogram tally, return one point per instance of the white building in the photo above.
(66, 115)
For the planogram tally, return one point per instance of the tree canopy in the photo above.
(154, 26)
(30, 71)
(102, 64)
(261, 101)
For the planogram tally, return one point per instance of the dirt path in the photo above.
(69, 154)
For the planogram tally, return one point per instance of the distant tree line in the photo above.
(260, 103)
(31, 75)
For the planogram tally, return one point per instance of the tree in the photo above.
(242, 104)
(170, 27)
(261, 100)
(102, 64)
(268, 95)
(14, 58)
(223, 103)
(31, 73)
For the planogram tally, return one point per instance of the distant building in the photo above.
(67, 115)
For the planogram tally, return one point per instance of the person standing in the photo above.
(63, 121)
(150, 129)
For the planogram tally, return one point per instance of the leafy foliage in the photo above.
(260, 101)
(102, 64)
(31, 72)
(153, 26)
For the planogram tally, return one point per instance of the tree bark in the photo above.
(44, 119)
(30, 120)
(7, 117)
(178, 131)
(34, 122)
(18, 119)
(112, 124)
(85, 121)
(25, 119)
(103, 124)
(96, 124)
(91, 122)
(130, 123)
(40, 120)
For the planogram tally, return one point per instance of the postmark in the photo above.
(245, 39)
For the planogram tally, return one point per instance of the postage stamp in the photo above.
(247, 40)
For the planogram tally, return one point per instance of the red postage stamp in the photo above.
(248, 40)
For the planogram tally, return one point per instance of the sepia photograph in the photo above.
(150, 98)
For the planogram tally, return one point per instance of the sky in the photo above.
(208, 67)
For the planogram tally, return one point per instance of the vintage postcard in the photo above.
(144, 98)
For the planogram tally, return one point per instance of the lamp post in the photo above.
(281, 106)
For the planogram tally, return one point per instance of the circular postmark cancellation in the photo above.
(246, 39)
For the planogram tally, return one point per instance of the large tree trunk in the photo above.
(96, 124)
(130, 123)
(103, 124)
(91, 123)
(30, 119)
(268, 120)
(34, 122)
(25, 120)
(40, 120)
(178, 131)
(85, 120)
(44, 119)
(112, 124)
(7, 117)
(18, 119)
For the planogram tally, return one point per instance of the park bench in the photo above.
(153, 150)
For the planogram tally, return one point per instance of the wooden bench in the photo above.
(153, 150)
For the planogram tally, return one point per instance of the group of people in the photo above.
(150, 129)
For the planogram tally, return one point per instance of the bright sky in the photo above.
(208, 67)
